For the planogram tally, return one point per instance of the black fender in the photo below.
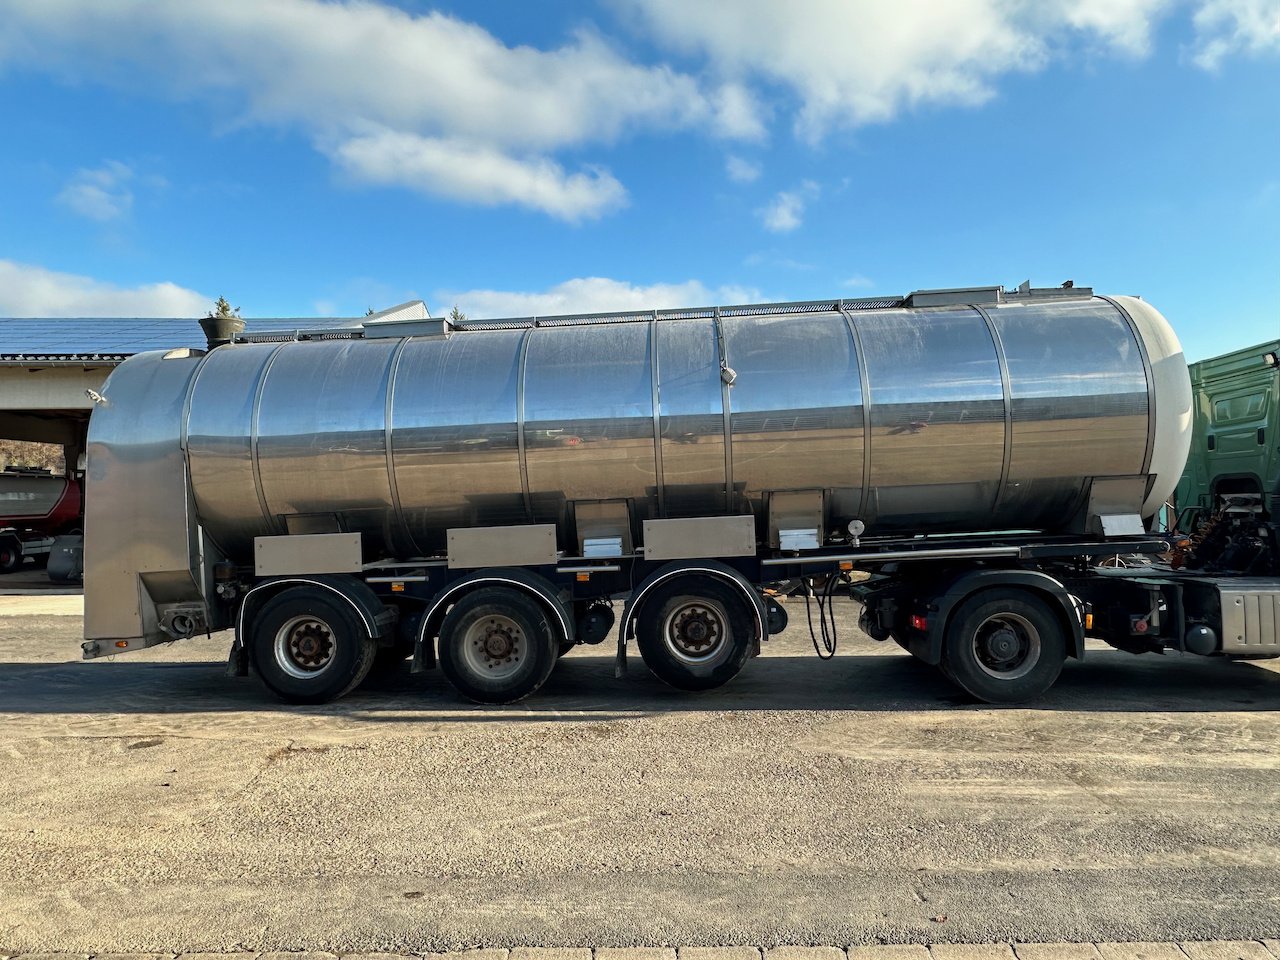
(542, 590)
(377, 617)
(928, 646)
(706, 568)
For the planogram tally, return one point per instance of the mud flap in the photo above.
(238, 661)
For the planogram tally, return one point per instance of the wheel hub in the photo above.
(304, 647)
(1007, 646)
(1003, 644)
(697, 629)
(496, 641)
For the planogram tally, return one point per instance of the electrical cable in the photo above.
(826, 649)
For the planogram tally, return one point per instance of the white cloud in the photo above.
(30, 291)
(593, 295)
(740, 170)
(1224, 27)
(859, 282)
(100, 194)
(855, 63)
(344, 71)
(479, 174)
(786, 212)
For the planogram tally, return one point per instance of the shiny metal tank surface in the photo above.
(956, 417)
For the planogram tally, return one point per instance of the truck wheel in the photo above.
(309, 646)
(10, 555)
(695, 633)
(1004, 646)
(496, 646)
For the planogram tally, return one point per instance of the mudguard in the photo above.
(928, 646)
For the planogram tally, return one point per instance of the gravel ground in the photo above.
(156, 804)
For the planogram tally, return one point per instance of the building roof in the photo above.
(110, 340)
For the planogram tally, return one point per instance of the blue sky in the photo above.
(306, 158)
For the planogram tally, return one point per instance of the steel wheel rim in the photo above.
(696, 631)
(305, 647)
(1006, 646)
(495, 646)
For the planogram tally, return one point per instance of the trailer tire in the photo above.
(1004, 646)
(695, 633)
(496, 645)
(10, 554)
(308, 646)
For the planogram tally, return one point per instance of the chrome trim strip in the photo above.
(253, 441)
(866, 409)
(1006, 387)
(726, 407)
(393, 368)
(657, 417)
(522, 453)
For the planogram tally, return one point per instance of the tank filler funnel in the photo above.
(220, 330)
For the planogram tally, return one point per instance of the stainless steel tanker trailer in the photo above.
(479, 496)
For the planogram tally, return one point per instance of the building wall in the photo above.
(49, 388)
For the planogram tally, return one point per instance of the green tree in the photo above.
(224, 310)
(456, 315)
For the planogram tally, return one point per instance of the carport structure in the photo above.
(47, 365)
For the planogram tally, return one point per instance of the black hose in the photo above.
(826, 649)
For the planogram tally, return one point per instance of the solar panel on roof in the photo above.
(96, 337)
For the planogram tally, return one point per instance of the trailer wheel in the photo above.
(496, 646)
(10, 555)
(1004, 646)
(308, 646)
(695, 633)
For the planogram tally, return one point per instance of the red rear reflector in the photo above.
(918, 622)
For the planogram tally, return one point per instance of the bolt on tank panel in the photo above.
(692, 418)
(455, 436)
(220, 445)
(321, 435)
(937, 418)
(796, 406)
(1079, 404)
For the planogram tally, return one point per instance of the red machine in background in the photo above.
(36, 506)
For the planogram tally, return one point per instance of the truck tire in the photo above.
(308, 646)
(695, 633)
(1004, 646)
(496, 646)
(10, 554)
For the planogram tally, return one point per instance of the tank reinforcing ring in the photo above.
(494, 645)
(304, 647)
(1006, 646)
(694, 631)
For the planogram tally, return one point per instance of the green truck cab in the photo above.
(1235, 445)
